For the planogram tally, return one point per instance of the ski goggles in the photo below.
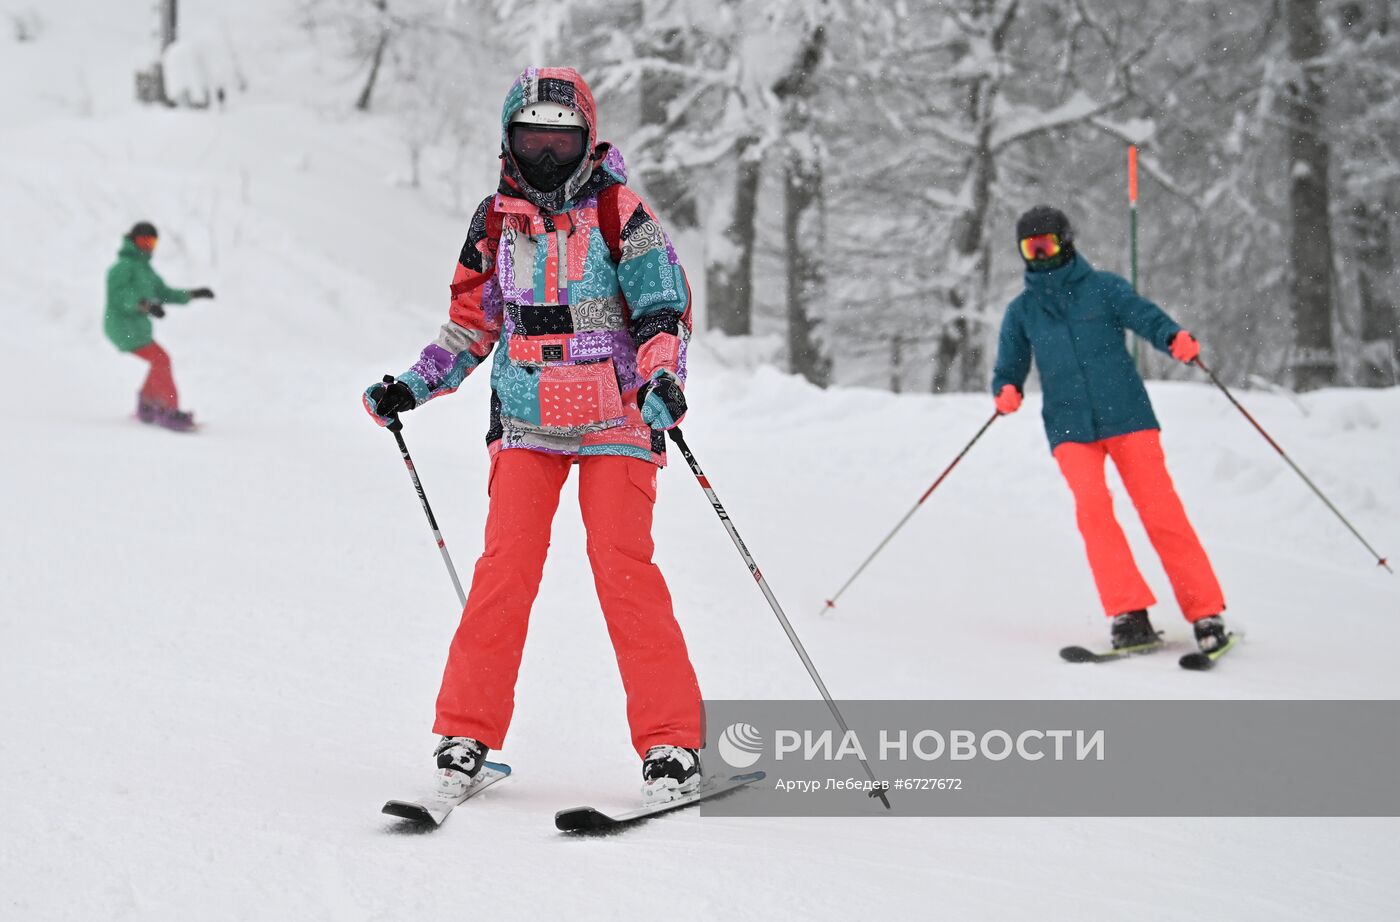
(145, 244)
(1040, 246)
(531, 143)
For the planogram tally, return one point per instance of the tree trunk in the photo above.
(959, 357)
(960, 340)
(169, 21)
(1380, 340)
(806, 277)
(897, 364)
(1314, 359)
(804, 231)
(150, 83)
(729, 273)
(376, 59)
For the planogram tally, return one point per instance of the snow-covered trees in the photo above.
(727, 95)
(414, 61)
(851, 169)
(1366, 101)
(956, 115)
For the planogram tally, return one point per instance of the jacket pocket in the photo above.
(577, 399)
(561, 349)
(538, 351)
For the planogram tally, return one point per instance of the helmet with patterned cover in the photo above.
(549, 140)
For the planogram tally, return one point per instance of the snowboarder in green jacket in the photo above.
(135, 294)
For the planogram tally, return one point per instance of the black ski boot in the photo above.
(1211, 633)
(669, 773)
(1132, 629)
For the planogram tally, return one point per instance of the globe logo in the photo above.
(741, 745)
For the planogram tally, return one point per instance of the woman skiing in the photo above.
(135, 294)
(571, 272)
(1071, 318)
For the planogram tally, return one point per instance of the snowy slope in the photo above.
(218, 654)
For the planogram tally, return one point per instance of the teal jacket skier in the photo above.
(1070, 320)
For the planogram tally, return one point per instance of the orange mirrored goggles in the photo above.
(1041, 246)
(145, 244)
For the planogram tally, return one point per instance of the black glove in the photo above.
(152, 308)
(201, 293)
(390, 398)
(662, 401)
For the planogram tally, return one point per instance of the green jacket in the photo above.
(130, 281)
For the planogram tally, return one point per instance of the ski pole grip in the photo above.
(395, 424)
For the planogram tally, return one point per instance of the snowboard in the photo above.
(196, 428)
(589, 820)
(434, 806)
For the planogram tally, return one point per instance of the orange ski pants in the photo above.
(1143, 468)
(159, 386)
(616, 496)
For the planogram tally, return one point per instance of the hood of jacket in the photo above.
(129, 250)
(1076, 270)
(601, 168)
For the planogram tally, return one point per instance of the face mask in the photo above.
(546, 156)
(547, 174)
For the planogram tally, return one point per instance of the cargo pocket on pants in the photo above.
(643, 477)
(491, 474)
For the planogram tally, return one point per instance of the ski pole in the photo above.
(1380, 561)
(879, 787)
(831, 602)
(396, 427)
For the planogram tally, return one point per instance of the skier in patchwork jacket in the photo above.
(1071, 319)
(569, 277)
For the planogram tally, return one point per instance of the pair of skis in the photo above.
(1198, 661)
(434, 808)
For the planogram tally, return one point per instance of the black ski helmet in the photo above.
(142, 229)
(1042, 219)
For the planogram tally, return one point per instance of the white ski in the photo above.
(435, 806)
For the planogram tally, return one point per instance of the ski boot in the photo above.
(669, 773)
(459, 760)
(1211, 633)
(1133, 629)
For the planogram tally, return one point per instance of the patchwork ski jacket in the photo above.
(586, 303)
